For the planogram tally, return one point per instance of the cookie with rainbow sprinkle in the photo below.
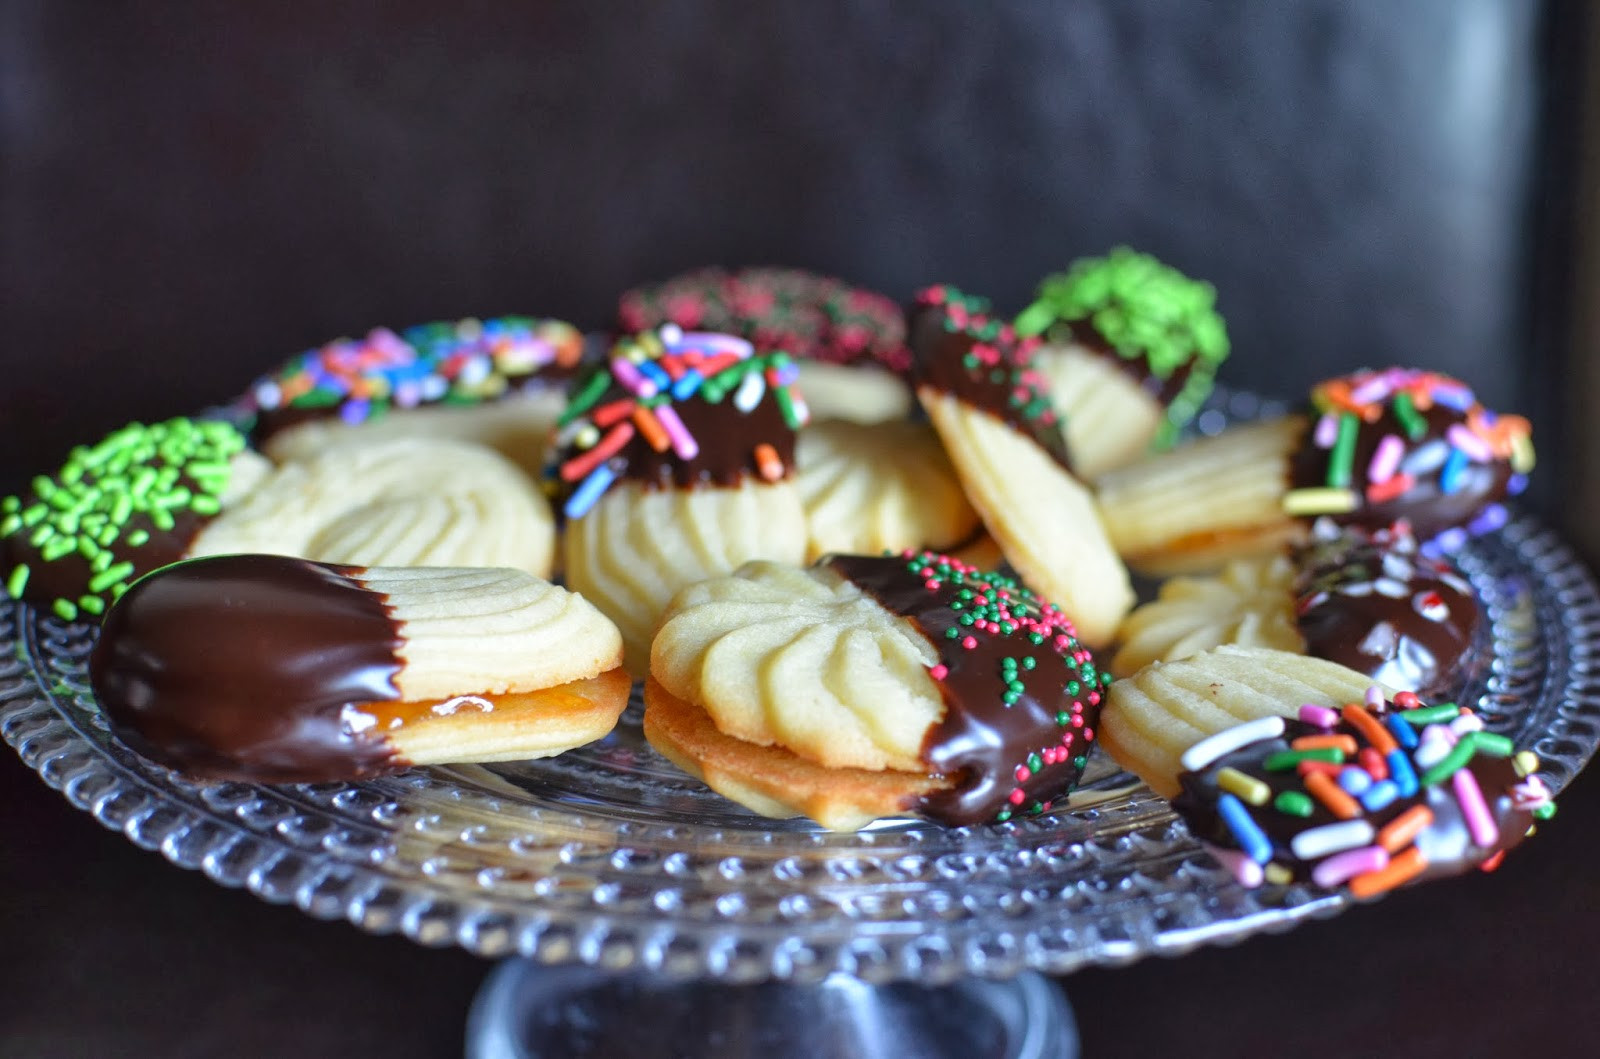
(1367, 600)
(1131, 351)
(499, 382)
(132, 502)
(984, 398)
(867, 687)
(1363, 792)
(673, 463)
(849, 343)
(1379, 446)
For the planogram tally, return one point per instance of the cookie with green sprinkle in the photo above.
(118, 509)
(1132, 348)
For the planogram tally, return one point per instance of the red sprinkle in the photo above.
(1017, 796)
(1374, 763)
(939, 672)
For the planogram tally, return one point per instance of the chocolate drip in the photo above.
(1446, 843)
(981, 740)
(941, 354)
(243, 667)
(1136, 367)
(1426, 505)
(1383, 610)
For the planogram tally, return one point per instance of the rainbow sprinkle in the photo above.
(637, 396)
(461, 362)
(1345, 802)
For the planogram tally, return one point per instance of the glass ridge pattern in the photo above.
(609, 856)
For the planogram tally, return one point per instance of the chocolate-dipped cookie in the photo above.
(1370, 796)
(849, 343)
(979, 388)
(1378, 446)
(1367, 600)
(132, 502)
(499, 382)
(1131, 350)
(277, 670)
(864, 687)
(673, 463)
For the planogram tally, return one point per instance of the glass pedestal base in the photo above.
(527, 1009)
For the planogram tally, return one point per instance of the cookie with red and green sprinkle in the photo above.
(850, 342)
(116, 510)
(977, 383)
(863, 687)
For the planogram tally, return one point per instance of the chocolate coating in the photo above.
(1003, 390)
(1136, 367)
(1446, 842)
(68, 576)
(1426, 505)
(243, 667)
(981, 740)
(1378, 607)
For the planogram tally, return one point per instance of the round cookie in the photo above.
(1366, 795)
(849, 343)
(400, 502)
(673, 463)
(1381, 446)
(1249, 603)
(863, 687)
(882, 488)
(982, 397)
(499, 382)
(1132, 349)
(272, 669)
(118, 509)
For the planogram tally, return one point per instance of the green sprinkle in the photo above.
(57, 548)
(587, 396)
(11, 505)
(92, 604)
(791, 416)
(138, 538)
(66, 610)
(162, 518)
(17, 581)
(1294, 803)
(1424, 715)
(1341, 463)
(205, 505)
(1452, 763)
(1411, 420)
(1035, 763)
(10, 524)
(34, 515)
(1063, 718)
(1491, 745)
(1284, 760)
(1029, 662)
(106, 578)
(1545, 811)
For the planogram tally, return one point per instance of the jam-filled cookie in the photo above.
(1369, 601)
(1366, 794)
(398, 502)
(499, 382)
(868, 687)
(117, 509)
(674, 463)
(1380, 446)
(1132, 348)
(883, 488)
(982, 395)
(279, 670)
(849, 343)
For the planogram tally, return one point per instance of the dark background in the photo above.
(190, 192)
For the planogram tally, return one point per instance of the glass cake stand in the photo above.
(611, 881)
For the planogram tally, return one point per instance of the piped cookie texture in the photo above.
(849, 343)
(1366, 796)
(280, 670)
(979, 389)
(1379, 446)
(119, 508)
(1132, 350)
(499, 382)
(673, 463)
(864, 687)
